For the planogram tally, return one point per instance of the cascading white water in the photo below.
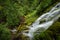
(49, 18)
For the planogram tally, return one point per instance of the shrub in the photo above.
(4, 33)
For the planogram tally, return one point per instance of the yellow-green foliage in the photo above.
(1, 7)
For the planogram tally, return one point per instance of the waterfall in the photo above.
(44, 21)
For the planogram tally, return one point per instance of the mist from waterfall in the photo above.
(44, 21)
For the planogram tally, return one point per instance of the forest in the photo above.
(17, 15)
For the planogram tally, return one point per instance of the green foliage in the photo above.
(4, 33)
(43, 36)
(58, 37)
(9, 13)
(12, 10)
(38, 8)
